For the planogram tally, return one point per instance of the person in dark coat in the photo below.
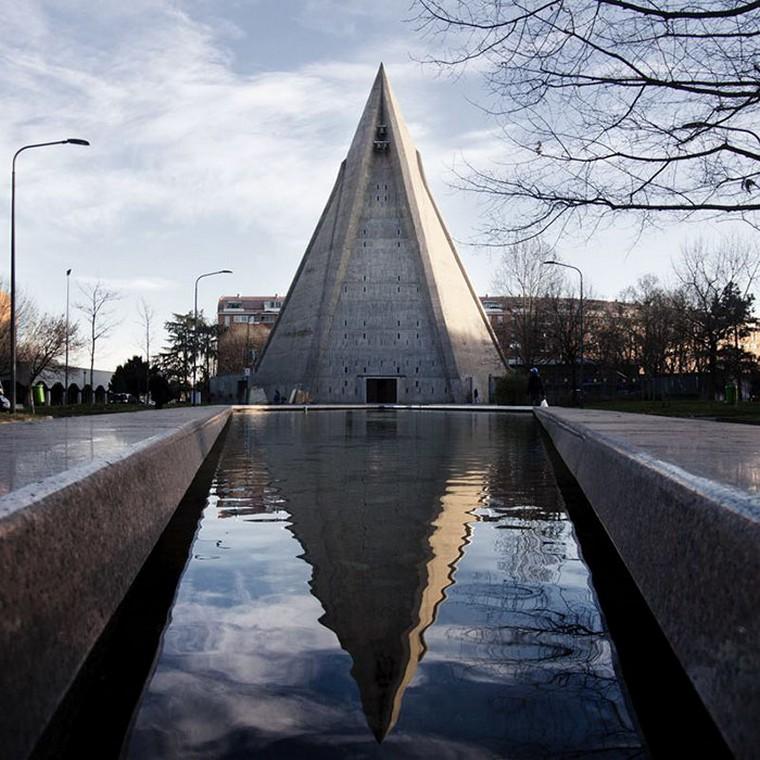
(535, 387)
(160, 391)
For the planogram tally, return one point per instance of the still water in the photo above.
(384, 584)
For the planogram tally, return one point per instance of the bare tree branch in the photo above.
(610, 106)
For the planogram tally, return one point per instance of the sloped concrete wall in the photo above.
(70, 547)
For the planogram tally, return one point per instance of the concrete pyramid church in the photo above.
(381, 309)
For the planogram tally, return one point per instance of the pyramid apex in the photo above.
(381, 75)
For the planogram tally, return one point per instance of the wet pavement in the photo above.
(33, 451)
(394, 584)
(724, 452)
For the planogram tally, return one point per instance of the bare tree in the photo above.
(660, 334)
(612, 105)
(522, 275)
(563, 327)
(613, 343)
(96, 307)
(716, 285)
(238, 346)
(41, 337)
(146, 314)
(42, 344)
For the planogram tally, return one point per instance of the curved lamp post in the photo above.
(552, 262)
(195, 322)
(69, 141)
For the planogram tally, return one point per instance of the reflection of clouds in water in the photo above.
(224, 719)
(208, 711)
(276, 624)
(432, 549)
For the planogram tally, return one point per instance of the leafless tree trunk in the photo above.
(654, 324)
(563, 327)
(522, 275)
(44, 343)
(146, 314)
(612, 344)
(717, 284)
(96, 307)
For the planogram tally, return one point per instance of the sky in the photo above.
(217, 128)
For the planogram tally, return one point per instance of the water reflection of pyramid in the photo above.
(383, 525)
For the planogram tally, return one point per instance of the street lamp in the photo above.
(195, 322)
(70, 141)
(578, 398)
(66, 371)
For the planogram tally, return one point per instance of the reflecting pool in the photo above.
(400, 584)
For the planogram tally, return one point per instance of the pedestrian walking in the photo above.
(535, 387)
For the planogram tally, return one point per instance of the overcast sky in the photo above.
(217, 129)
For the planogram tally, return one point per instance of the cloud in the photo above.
(174, 129)
(137, 284)
(200, 156)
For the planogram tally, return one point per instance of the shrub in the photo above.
(511, 389)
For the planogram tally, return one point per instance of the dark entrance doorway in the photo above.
(381, 390)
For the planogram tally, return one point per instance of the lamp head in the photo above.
(68, 272)
(551, 261)
(225, 271)
(76, 141)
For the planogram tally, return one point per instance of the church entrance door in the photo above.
(382, 390)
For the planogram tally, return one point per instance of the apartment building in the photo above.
(248, 321)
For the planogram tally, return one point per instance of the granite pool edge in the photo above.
(70, 547)
(693, 548)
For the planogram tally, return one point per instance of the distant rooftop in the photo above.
(238, 304)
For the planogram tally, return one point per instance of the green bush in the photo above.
(511, 389)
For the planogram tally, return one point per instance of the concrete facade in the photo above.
(680, 502)
(381, 308)
(85, 502)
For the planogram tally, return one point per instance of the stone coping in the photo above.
(679, 500)
(32, 451)
(72, 543)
